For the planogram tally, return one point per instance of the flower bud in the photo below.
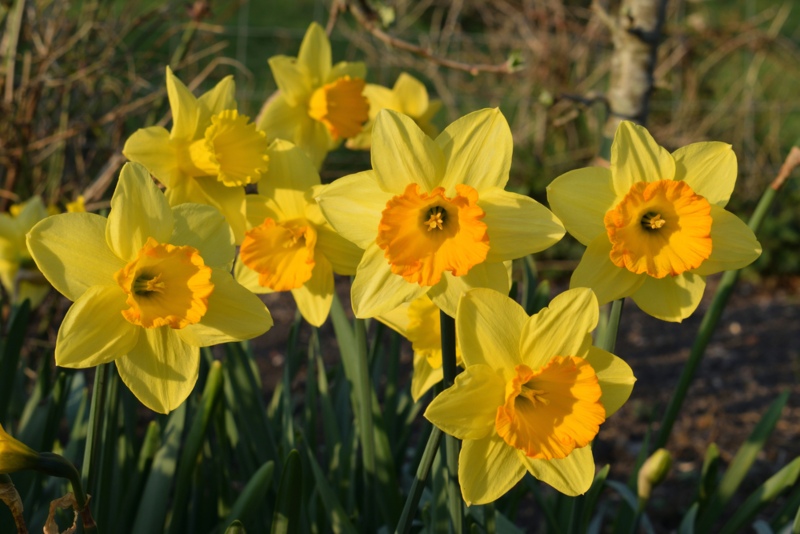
(15, 455)
(653, 472)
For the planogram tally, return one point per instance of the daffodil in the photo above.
(432, 215)
(18, 272)
(408, 96)
(288, 245)
(151, 285)
(654, 224)
(77, 206)
(418, 321)
(317, 104)
(209, 155)
(15, 455)
(532, 396)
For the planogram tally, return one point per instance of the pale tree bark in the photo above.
(636, 33)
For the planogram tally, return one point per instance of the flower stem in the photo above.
(451, 445)
(608, 338)
(364, 391)
(707, 326)
(93, 434)
(55, 465)
(423, 470)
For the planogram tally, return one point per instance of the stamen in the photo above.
(436, 218)
(143, 285)
(536, 396)
(652, 221)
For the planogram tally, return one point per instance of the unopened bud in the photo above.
(653, 472)
(15, 455)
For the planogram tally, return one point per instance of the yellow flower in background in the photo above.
(18, 273)
(210, 153)
(654, 223)
(289, 246)
(532, 396)
(318, 104)
(77, 206)
(418, 321)
(408, 96)
(151, 285)
(15, 455)
(432, 215)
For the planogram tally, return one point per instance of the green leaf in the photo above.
(766, 493)
(708, 475)
(741, 464)
(10, 347)
(287, 510)
(687, 524)
(762, 527)
(236, 528)
(336, 514)
(251, 500)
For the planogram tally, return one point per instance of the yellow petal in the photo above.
(561, 329)
(376, 289)
(636, 157)
(185, 111)
(581, 198)
(161, 370)
(220, 98)
(207, 190)
(517, 225)
(139, 211)
(571, 476)
(234, 314)
(153, 148)
(734, 245)
(477, 148)
(314, 298)
(31, 212)
(354, 69)
(259, 208)
(467, 409)
(397, 319)
(488, 328)
(402, 154)
(446, 293)
(293, 81)
(487, 469)
(343, 255)
(279, 119)
(94, 330)
(709, 168)
(315, 140)
(204, 228)
(424, 377)
(615, 377)
(315, 54)
(248, 278)
(412, 95)
(60, 245)
(379, 98)
(673, 298)
(35, 292)
(290, 175)
(353, 205)
(596, 271)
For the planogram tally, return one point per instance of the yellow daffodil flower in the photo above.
(418, 321)
(432, 215)
(289, 246)
(210, 153)
(532, 396)
(77, 206)
(654, 223)
(15, 455)
(317, 104)
(151, 285)
(18, 272)
(408, 96)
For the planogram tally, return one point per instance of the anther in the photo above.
(653, 221)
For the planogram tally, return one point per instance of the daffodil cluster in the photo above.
(18, 273)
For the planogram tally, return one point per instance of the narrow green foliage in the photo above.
(421, 476)
(287, 510)
(708, 475)
(741, 464)
(10, 348)
(766, 493)
(340, 523)
(251, 500)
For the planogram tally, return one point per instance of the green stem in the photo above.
(451, 444)
(365, 406)
(707, 326)
(93, 434)
(608, 338)
(423, 470)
